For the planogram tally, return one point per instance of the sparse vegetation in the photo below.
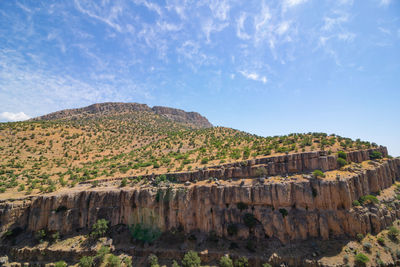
(99, 229)
(242, 262)
(361, 259)
(225, 261)
(143, 233)
(191, 259)
(318, 174)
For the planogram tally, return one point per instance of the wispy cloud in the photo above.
(10, 116)
(253, 76)
(240, 29)
(107, 15)
(293, 3)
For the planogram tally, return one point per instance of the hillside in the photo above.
(75, 184)
(107, 140)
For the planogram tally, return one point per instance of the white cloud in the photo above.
(9, 116)
(331, 22)
(151, 6)
(209, 26)
(283, 27)
(220, 9)
(107, 15)
(346, 36)
(253, 76)
(240, 31)
(292, 3)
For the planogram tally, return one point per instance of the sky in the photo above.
(264, 67)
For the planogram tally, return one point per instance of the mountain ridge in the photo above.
(194, 119)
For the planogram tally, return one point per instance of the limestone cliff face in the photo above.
(315, 208)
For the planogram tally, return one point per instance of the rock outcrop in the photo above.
(276, 165)
(292, 210)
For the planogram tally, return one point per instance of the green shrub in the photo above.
(368, 199)
(143, 233)
(249, 220)
(123, 182)
(284, 212)
(341, 162)
(225, 261)
(175, 264)
(204, 160)
(342, 155)
(113, 261)
(40, 235)
(99, 229)
(393, 233)
(241, 206)
(375, 155)
(232, 229)
(356, 203)
(381, 241)
(102, 252)
(242, 262)
(266, 265)
(318, 173)
(152, 260)
(191, 259)
(60, 264)
(361, 259)
(127, 261)
(86, 261)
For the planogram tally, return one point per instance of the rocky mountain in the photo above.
(193, 119)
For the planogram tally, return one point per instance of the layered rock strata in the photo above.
(278, 165)
(291, 210)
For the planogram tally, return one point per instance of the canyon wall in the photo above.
(315, 208)
(277, 165)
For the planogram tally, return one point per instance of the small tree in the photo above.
(318, 173)
(375, 155)
(40, 235)
(152, 260)
(86, 261)
(361, 259)
(342, 155)
(393, 233)
(175, 264)
(102, 252)
(341, 162)
(123, 182)
(225, 261)
(99, 229)
(242, 262)
(191, 259)
(113, 261)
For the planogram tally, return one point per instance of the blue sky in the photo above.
(265, 67)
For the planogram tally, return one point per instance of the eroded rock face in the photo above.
(279, 165)
(315, 208)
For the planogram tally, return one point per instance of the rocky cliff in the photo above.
(267, 166)
(112, 108)
(287, 210)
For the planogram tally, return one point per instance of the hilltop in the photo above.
(192, 119)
